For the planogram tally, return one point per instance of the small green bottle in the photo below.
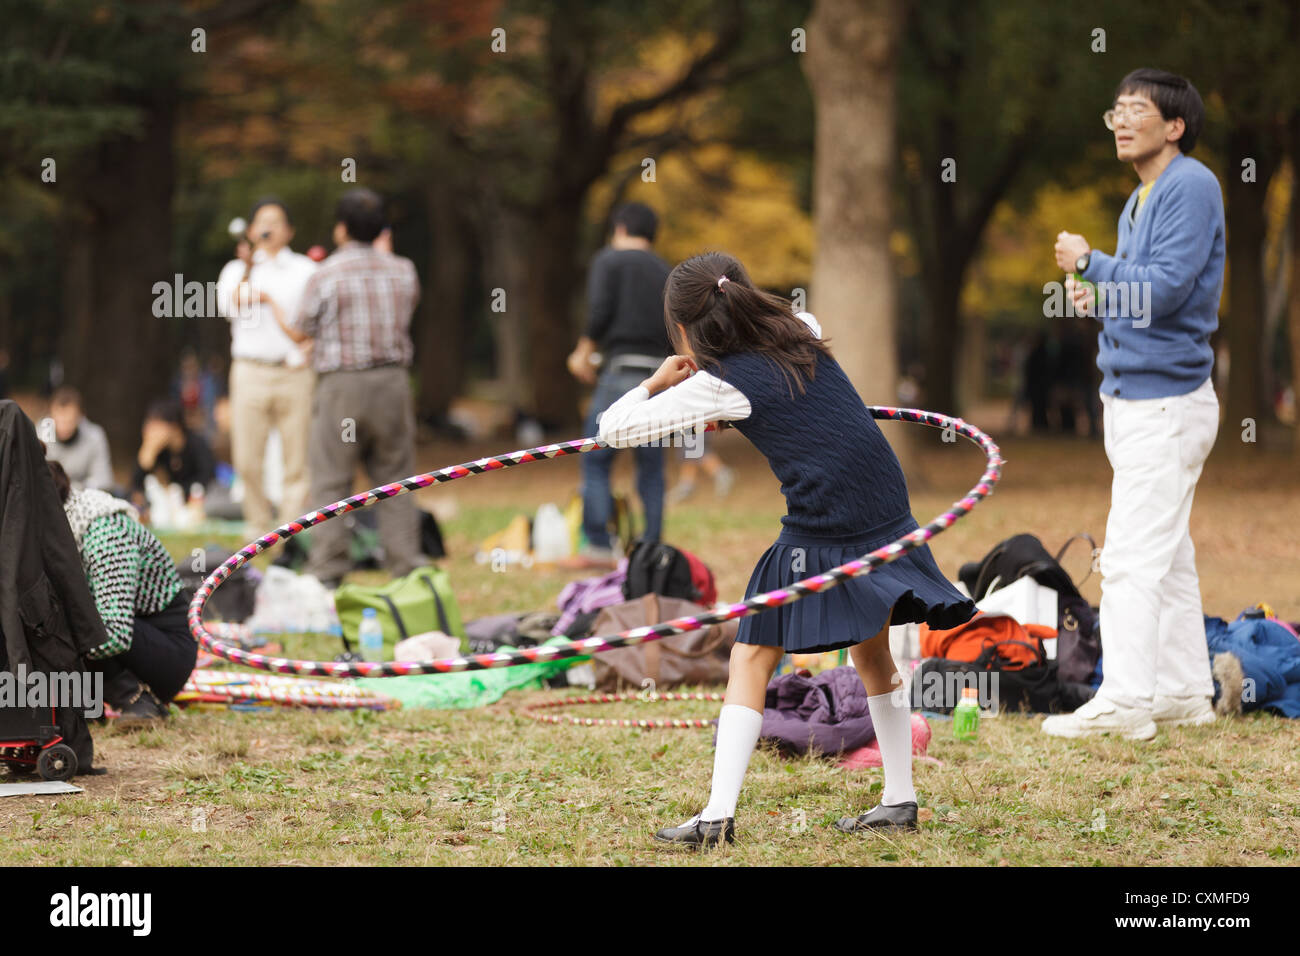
(966, 715)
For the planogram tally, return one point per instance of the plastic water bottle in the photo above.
(197, 507)
(966, 715)
(371, 636)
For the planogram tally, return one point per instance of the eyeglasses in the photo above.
(1132, 117)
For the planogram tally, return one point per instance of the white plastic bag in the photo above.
(292, 603)
(551, 541)
(429, 646)
(1029, 603)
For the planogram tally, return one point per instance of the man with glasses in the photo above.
(1157, 298)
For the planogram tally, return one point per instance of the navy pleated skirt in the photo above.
(855, 610)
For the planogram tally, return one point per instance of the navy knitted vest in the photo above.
(838, 473)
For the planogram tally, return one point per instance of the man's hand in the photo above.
(1082, 294)
(675, 368)
(581, 368)
(245, 296)
(1069, 247)
(579, 361)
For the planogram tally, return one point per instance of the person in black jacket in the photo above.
(170, 452)
(48, 620)
(625, 293)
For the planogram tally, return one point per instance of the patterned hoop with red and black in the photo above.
(590, 645)
(640, 723)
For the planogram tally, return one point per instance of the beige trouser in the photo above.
(263, 397)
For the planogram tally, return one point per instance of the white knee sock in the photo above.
(893, 723)
(738, 730)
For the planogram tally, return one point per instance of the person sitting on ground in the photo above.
(79, 445)
(149, 654)
(170, 452)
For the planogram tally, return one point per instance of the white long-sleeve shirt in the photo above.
(254, 333)
(639, 419)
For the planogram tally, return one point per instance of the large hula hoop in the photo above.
(590, 645)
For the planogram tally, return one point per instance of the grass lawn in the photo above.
(492, 787)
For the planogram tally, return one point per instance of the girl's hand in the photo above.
(675, 368)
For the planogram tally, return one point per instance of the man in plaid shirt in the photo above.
(357, 307)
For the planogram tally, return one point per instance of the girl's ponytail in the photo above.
(721, 311)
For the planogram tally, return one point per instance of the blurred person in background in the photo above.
(196, 388)
(271, 382)
(710, 463)
(170, 452)
(79, 445)
(357, 307)
(625, 304)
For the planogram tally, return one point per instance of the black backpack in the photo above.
(653, 566)
(1078, 636)
(1037, 689)
(235, 599)
(1012, 560)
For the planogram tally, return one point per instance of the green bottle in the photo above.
(966, 715)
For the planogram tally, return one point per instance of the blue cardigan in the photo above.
(1167, 275)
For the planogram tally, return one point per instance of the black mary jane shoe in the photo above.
(696, 833)
(900, 816)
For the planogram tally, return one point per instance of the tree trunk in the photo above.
(507, 308)
(440, 338)
(851, 68)
(550, 289)
(943, 270)
(1293, 300)
(971, 362)
(944, 340)
(1247, 230)
(114, 349)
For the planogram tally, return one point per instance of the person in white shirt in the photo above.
(271, 382)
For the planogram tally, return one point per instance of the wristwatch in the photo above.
(1081, 263)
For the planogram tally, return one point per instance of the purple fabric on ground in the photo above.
(826, 713)
(587, 595)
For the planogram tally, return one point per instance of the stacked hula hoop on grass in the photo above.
(592, 645)
(233, 688)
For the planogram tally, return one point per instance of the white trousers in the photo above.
(1152, 628)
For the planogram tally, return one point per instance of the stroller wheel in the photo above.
(57, 762)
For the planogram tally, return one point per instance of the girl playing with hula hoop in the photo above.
(747, 358)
